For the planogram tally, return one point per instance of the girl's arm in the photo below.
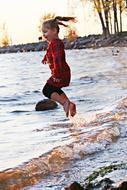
(44, 60)
(58, 53)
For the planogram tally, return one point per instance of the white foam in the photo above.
(82, 120)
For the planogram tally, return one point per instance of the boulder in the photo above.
(104, 184)
(74, 186)
(45, 104)
(121, 186)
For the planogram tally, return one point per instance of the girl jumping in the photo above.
(60, 70)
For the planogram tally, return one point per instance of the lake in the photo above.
(52, 150)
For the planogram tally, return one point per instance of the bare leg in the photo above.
(65, 102)
(58, 98)
(64, 96)
(72, 106)
(72, 109)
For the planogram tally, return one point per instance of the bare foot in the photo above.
(72, 109)
(66, 106)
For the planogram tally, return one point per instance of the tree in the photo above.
(126, 2)
(116, 26)
(106, 8)
(103, 9)
(122, 7)
(5, 38)
(98, 6)
(110, 11)
(71, 34)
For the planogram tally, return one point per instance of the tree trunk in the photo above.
(120, 18)
(106, 14)
(126, 3)
(116, 26)
(110, 22)
(98, 7)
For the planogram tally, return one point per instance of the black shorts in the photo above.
(48, 90)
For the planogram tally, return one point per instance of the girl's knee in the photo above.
(47, 91)
(44, 91)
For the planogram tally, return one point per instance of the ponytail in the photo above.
(66, 19)
(55, 22)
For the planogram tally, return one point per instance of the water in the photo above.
(48, 141)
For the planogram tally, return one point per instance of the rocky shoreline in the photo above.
(98, 181)
(91, 41)
(112, 176)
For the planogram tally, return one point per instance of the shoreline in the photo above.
(111, 176)
(90, 41)
(103, 177)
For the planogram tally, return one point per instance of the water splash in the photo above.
(84, 144)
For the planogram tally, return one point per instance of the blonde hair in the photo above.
(55, 22)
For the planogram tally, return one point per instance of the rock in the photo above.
(98, 181)
(104, 184)
(45, 104)
(74, 186)
(121, 186)
(90, 41)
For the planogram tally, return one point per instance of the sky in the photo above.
(22, 17)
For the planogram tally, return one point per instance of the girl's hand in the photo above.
(56, 80)
(44, 61)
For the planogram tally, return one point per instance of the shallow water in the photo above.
(99, 83)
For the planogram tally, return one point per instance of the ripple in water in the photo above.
(35, 145)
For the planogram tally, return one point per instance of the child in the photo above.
(60, 71)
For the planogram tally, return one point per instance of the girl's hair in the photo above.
(55, 22)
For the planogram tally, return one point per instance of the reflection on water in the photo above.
(36, 144)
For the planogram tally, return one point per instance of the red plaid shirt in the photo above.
(60, 71)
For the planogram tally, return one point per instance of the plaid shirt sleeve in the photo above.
(45, 58)
(58, 54)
